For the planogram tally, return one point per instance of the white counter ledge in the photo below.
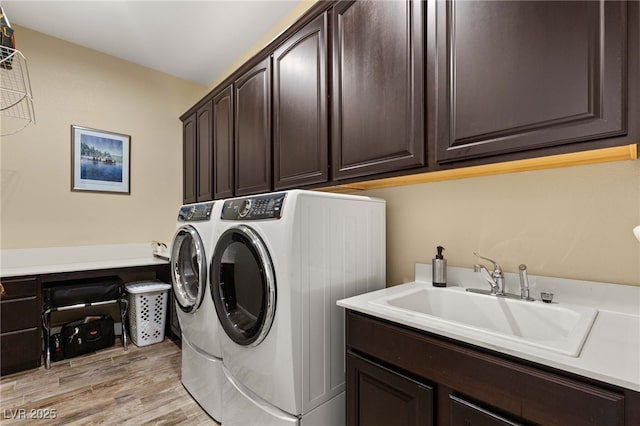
(39, 261)
(610, 354)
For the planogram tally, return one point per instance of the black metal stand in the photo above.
(123, 302)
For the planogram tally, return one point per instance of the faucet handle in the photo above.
(496, 266)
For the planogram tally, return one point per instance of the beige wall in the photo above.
(573, 222)
(74, 85)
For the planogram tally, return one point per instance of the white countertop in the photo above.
(37, 261)
(611, 352)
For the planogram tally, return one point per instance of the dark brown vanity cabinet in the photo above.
(300, 119)
(397, 375)
(252, 136)
(197, 155)
(223, 144)
(516, 76)
(378, 87)
(20, 338)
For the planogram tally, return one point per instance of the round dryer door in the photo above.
(243, 285)
(188, 268)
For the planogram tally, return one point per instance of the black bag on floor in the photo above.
(87, 335)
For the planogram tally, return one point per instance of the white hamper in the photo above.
(147, 311)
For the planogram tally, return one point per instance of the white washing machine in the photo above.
(280, 263)
(191, 252)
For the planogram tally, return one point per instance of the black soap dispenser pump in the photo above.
(439, 267)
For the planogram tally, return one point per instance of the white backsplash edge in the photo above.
(603, 296)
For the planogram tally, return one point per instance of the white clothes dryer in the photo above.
(191, 252)
(281, 261)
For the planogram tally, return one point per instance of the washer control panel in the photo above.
(195, 212)
(258, 207)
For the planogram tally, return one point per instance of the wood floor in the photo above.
(111, 387)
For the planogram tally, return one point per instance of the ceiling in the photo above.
(193, 40)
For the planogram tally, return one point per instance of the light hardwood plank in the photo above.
(110, 387)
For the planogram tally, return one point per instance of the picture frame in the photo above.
(100, 161)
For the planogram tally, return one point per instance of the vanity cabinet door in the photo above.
(379, 396)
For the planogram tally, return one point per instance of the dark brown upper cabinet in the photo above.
(223, 144)
(189, 165)
(204, 145)
(300, 123)
(515, 76)
(197, 159)
(252, 135)
(378, 87)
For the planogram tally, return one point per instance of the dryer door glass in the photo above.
(243, 285)
(188, 268)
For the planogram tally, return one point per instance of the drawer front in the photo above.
(20, 350)
(464, 413)
(18, 314)
(18, 288)
(517, 388)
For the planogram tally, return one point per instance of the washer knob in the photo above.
(246, 207)
(191, 213)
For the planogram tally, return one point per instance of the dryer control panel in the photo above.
(254, 208)
(195, 212)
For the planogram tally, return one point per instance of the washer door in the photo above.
(188, 268)
(243, 285)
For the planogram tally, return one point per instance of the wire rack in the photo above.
(16, 101)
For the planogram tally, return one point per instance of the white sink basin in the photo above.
(555, 327)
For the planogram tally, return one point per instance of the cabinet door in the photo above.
(300, 123)
(20, 350)
(514, 76)
(223, 144)
(189, 166)
(379, 396)
(378, 87)
(204, 153)
(253, 130)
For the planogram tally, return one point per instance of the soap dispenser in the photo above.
(439, 268)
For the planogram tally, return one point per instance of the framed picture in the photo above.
(100, 161)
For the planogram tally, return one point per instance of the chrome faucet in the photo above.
(495, 278)
(496, 281)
